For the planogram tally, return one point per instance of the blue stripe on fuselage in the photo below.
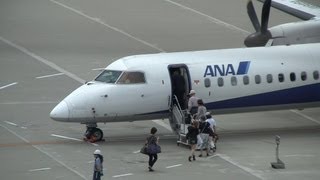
(303, 94)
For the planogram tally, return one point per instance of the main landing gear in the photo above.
(93, 134)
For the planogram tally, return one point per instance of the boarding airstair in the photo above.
(179, 122)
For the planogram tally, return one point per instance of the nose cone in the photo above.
(60, 112)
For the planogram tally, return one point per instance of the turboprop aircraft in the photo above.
(301, 32)
(230, 80)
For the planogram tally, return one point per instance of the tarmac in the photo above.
(50, 47)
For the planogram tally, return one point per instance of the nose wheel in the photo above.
(93, 134)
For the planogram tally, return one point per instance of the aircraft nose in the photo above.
(60, 112)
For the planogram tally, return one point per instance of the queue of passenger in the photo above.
(203, 126)
(201, 135)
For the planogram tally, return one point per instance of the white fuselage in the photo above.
(228, 81)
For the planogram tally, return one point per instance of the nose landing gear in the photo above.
(93, 134)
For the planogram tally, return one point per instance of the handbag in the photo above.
(153, 149)
(144, 149)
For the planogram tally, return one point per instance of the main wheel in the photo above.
(98, 134)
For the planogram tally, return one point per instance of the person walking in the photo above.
(202, 110)
(193, 103)
(98, 165)
(152, 150)
(191, 136)
(214, 136)
(205, 132)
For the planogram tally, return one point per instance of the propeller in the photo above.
(262, 34)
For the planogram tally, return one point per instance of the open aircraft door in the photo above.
(180, 87)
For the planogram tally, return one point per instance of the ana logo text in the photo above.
(225, 70)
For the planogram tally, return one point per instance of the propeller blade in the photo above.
(253, 16)
(265, 15)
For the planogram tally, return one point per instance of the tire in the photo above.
(98, 134)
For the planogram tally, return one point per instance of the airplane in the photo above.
(301, 32)
(140, 87)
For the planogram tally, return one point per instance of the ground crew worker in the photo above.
(98, 165)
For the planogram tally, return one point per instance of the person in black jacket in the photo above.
(152, 140)
(178, 85)
(193, 131)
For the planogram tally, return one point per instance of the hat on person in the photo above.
(192, 92)
(208, 115)
(96, 152)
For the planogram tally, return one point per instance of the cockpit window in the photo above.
(108, 76)
(131, 78)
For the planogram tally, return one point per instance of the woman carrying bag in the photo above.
(152, 147)
(193, 131)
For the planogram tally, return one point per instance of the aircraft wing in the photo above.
(297, 8)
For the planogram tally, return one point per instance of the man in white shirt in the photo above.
(193, 103)
(213, 125)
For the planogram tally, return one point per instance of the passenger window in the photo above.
(207, 82)
(233, 81)
(245, 80)
(131, 78)
(281, 77)
(269, 78)
(257, 79)
(303, 76)
(315, 75)
(220, 81)
(292, 76)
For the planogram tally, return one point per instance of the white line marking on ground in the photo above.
(43, 60)
(122, 175)
(177, 165)
(136, 152)
(249, 170)
(168, 135)
(41, 169)
(163, 124)
(97, 20)
(97, 69)
(31, 102)
(24, 127)
(65, 137)
(94, 144)
(8, 85)
(46, 153)
(300, 155)
(11, 123)
(51, 75)
(212, 19)
(212, 156)
(305, 116)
